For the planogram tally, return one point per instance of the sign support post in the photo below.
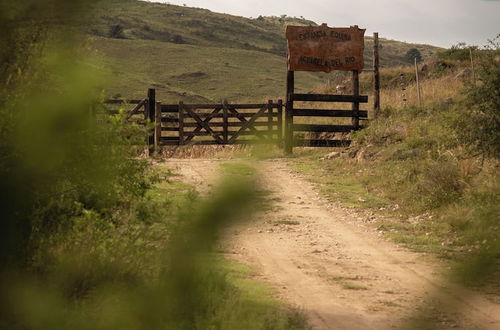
(376, 76)
(290, 89)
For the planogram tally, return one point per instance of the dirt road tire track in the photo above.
(340, 272)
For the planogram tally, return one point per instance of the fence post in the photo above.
(290, 84)
(181, 122)
(280, 121)
(151, 116)
(225, 122)
(157, 126)
(472, 66)
(376, 76)
(270, 119)
(355, 105)
(418, 83)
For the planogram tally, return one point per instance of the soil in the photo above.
(339, 270)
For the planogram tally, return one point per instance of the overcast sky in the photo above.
(437, 22)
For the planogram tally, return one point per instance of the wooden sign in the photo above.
(320, 48)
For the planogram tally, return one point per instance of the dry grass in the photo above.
(434, 90)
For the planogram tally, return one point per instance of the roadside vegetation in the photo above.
(427, 175)
(93, 235)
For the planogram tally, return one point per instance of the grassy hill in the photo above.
(194, 54)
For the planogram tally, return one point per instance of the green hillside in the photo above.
(194, 54)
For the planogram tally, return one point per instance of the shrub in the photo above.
(459, 52)
(479, 126)
(116, 31)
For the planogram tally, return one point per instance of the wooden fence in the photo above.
(225, 123)
(205, 124)
(291, 111)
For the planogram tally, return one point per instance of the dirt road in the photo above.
(341, 272)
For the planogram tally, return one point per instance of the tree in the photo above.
(413, 54)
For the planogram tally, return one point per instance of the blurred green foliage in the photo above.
(58, 159)
(91, 238)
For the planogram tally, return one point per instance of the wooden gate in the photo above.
(206, 124)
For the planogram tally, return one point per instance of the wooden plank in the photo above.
(327, 113)
(170, 108)
(269, 117)
(195, 106)
(355, 104)
(135, 110)
(376, 76)
(329, 98)
(212, 142)
(290, 90)
(218, 115)
(181, 122)
(322, 143)
(230, 115)
(151, 116)
(225, 122)
(280, 119)
(203, 124)
(157, 124)
(322, 128)
(198, 133)
(248, 124)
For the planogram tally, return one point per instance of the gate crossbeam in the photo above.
(202, 123)
(247, 124)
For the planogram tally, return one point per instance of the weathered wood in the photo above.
(206, 121)
(243, 121)
(231, 124)
(203, 124)
(280, 120)
(320, 48)
(174, 107)
(328, 113)
(376, 76)
(212, 142)
(135, 110)
(221, 133)
(248, 124)
(355, 104)
(330, 98)
(171, 119)
(151, 116)
(290, 89)
(225, 121)
(170, 108)
(181, 122)
(157, 124)
(419, 96)
(323, 128)
(322, 143)
(270, 118)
